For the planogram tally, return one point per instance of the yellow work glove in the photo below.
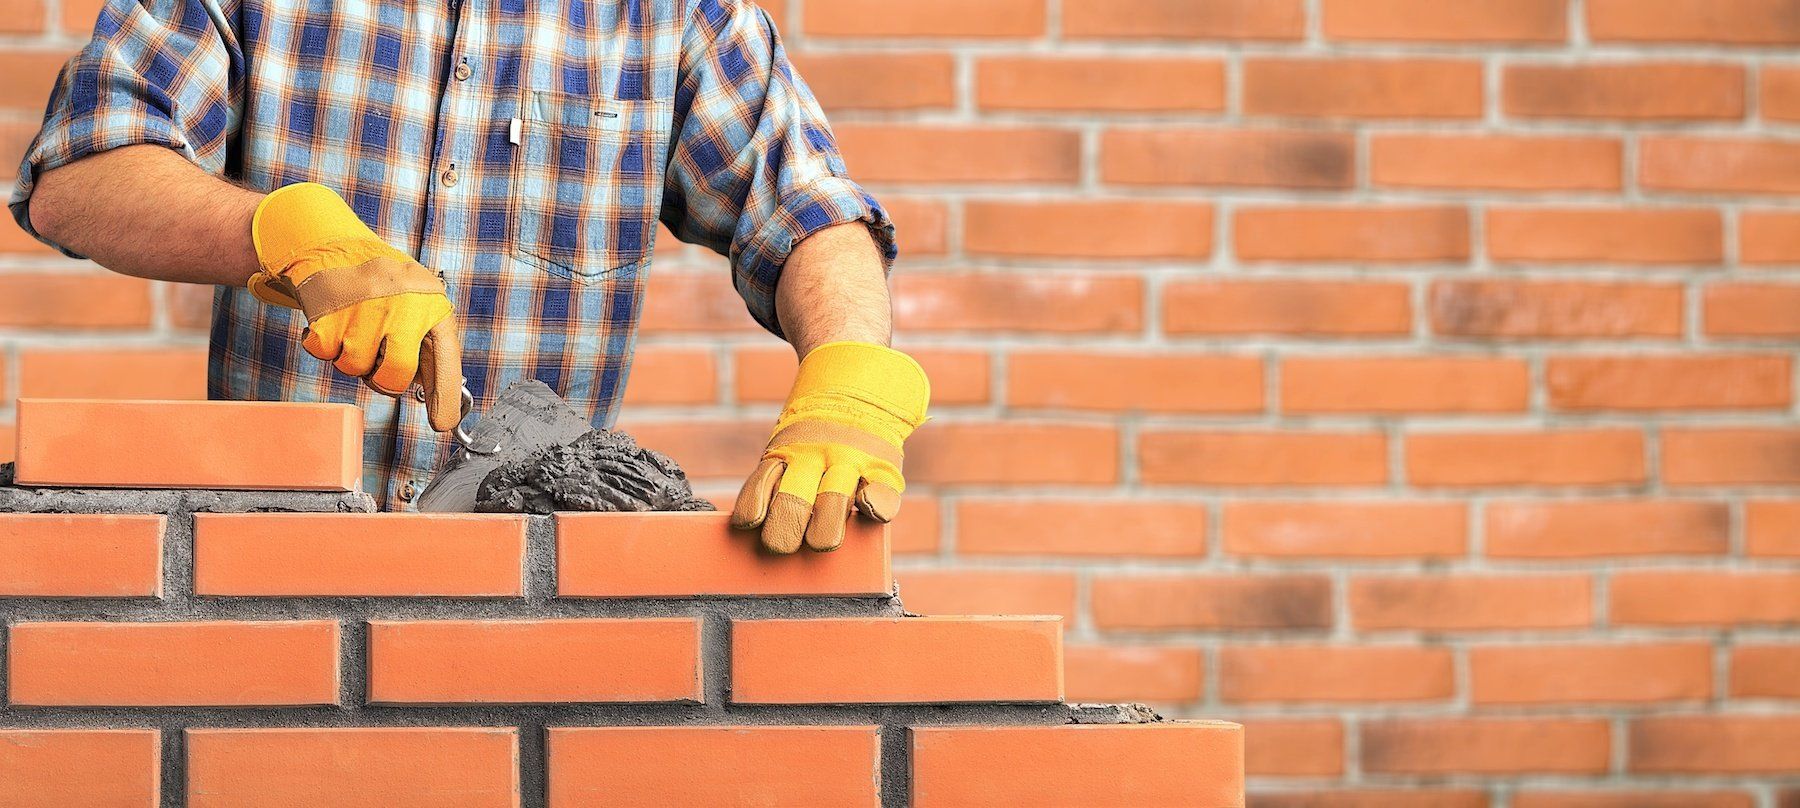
(838, 440)
(372, 311)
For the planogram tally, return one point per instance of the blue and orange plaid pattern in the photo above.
(524, 148)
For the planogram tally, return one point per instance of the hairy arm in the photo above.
(833, 288)
(146, 211)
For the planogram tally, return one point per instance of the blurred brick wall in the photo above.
(1408, 379)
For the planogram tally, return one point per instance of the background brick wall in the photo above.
(1410, 380)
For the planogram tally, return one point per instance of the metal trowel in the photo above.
(528, 416)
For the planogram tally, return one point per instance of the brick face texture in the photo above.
(1271, 339)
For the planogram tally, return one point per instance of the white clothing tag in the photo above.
(514, 132)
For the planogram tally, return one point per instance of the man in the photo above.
(312, 158)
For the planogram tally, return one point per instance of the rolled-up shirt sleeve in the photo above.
(753, 168)
(158, 72)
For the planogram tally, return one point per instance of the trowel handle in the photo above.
(462, 435)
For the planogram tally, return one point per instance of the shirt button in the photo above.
(463, 72)
(407, 492)
(418, 392)
(449, 178)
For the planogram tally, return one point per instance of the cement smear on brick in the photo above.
(599, 471)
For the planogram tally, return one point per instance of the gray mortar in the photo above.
(532, 720)
(599, 471)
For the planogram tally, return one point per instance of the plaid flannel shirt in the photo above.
(524, 148)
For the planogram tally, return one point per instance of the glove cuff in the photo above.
(298, 227)
(860, 384)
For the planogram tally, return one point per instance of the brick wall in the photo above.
(1409, 379)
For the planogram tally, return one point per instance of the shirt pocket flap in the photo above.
(597, 115)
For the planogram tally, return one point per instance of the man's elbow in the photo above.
(48, 206)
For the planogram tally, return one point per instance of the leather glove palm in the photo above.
(839, 440)
(371, 310)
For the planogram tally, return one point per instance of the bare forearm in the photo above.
(147, 211)
(833, 288)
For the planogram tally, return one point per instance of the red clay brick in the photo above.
(698, 554)
(189, 306)
(1330, 673)
(189, 444)
(1726, 456)
(1186, 763)
(15, 138)
(1602, 528)
(59, 768)
(1362, 88)
(1606, 235)
(534, 661)
(958, 376)
(1554, 309)
(1587, 674)
(1772, 528)
(981, 591)
(22, 17)
(1038, 302)
(1705, 598)
(1211, 601)
(1729, 22)
(614, 767)
(1153, 673)
(1685, 382)
(1751, 310)
(30, 74)
(1780, 98)
(1298, 307)
(1439, 21)
(1715, 744)
(1765, 671)
(1563, 457)
(1065, 526)
(1471, 602)
(704, 448)
(1632, 799)
(1496, 162)
(661, 375)
(54, 555)
(1063, 84)
(1624, 91)
(1013, 452)
(896, 660)
(1116, 381)
(1097, 228)
(116, 373)
(1719, 165)
(1316, 529)
(363, 555)
(215, 664)
(1360, 234)
(7, 441)
(79, 16)
(1228, 157)
(687, 303)
(895, 153)
(72, 300)
(1338, 384)
(1486, 746)
(1413, 797)
(1178, 20)
(926, 18)
(1768, 237)
(880, 81)
(389, 767)
(1289, 747)
(917, 530)
(924, 221)
(1262, 458)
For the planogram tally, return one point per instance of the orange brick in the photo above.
(79, 16)
(662, 375)
(982, 591)
(1606, 235)
(534, 661)
(1298, 307)
(940, 154)
(1719, 165)
(1412, 797)
(1772, 528)
(1768, 237)
(698, 554)
(1751, 310)
(1185, 763)
(1780, 99)
(1013, 452)
(16, 241)
(189, 305)
(686, 303)
(166, 373)
(1555, 309)
(1228, 157)
(1211, 601)
(1632, 799)
(1315, 529)
(58, 555)
(22, 17)
(73, 300)
(1361, 234)
(1184, 19)
(1686, 382)
(1496, 162)
(7, 441)
(1486, 746)
(1715, 744)
(58, 768)
(1067, 526)
(1362, 88)
(1731, 22)
(1125, 382)
(190, 444)
(1439, 21)
(926, 18)
(923, 224)
(957, 376)
(615, 767)
(1088, 229)
(389, 767)
(1404, 384)
(1705, 598)
(15, 138)
(364, 555)
(722, 449)
(1585, 674)
(1278, 747)
(1037, 302)
(1065, 84)
(1262, 458)
(1563, 457)
(880, 81)
(1602, 528)
(916, 530)
(237, 664)
(1625, 91)
(1765, 671)
(30, 74)
(897, 660)
(1328, 673)
(1470, 602)
(1110, 673)
(1730, 456)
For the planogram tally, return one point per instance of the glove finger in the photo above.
(791, 507)
(878, 501)
(441, 374)
(324, 338)
(361, 346)
(831, 508)
(753, 499)
(397, 364)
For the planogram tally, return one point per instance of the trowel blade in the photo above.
(527, 416)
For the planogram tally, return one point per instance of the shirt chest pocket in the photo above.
(586, 182)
